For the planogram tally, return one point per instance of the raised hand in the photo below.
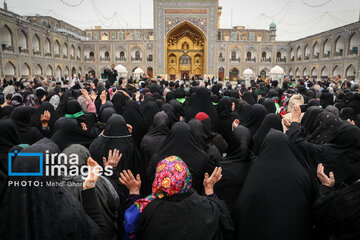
(94, 173)
(286, 121)
(235, 123)
(113, 158)
(83, 126)
(85, 93)
(209, 182)
(93, 96)
(296, 113)
(103, 96)
(137, 96)
(132, 183)
(45, 118)
(130, 128)
(324, 179)
(351, 121)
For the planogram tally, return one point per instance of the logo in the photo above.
(57, 165)
(38, 155)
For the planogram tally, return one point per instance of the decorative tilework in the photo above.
(281, 47)
(171, 22)
(233, 36)
(185, 11)
(160, 30)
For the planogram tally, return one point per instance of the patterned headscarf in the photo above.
(32, 100)
(172, 177)
(17, 99)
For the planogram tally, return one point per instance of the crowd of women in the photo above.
(190, 160)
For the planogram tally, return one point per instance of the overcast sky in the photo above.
(295, 19)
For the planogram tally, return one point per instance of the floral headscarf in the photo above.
(172, 177)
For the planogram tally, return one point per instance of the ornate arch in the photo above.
(185, 39)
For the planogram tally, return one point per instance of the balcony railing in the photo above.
(339, 53)
(354, 51)
(48, 54)
(89, 59)
(104, 59)
(307, 57)
(281, 60)
(234, 59)
(316, 56)
(36, 52)
(248, 59)
(265, 59)
(326, 55)
(298, 58)
(7, 48)
(65, 56)
(23, 50)
(134, 59)
(221, 59)
(57, 55)
(120, 59)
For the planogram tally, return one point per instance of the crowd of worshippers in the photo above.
(191, 160)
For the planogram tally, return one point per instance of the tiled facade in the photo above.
(45, 46)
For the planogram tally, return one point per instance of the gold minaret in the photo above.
(219, 15)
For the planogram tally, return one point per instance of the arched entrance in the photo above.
(185, 52)
(221, 74)
(350, 73)
(234, 74)
(150, 72)
(264, 73)
(73, 71)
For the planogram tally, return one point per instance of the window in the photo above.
(150, 58)
(89, 35)
(252, 36)
(233, 36)
(137, 36)
(122, 56)
(267, 37)
(96, 36)
(259, 37)
(185, 46)
(137, 56)
(112, 36)
(105, 36)
(233, 56)
(107, 56)
(185, 60)
(221, 58)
